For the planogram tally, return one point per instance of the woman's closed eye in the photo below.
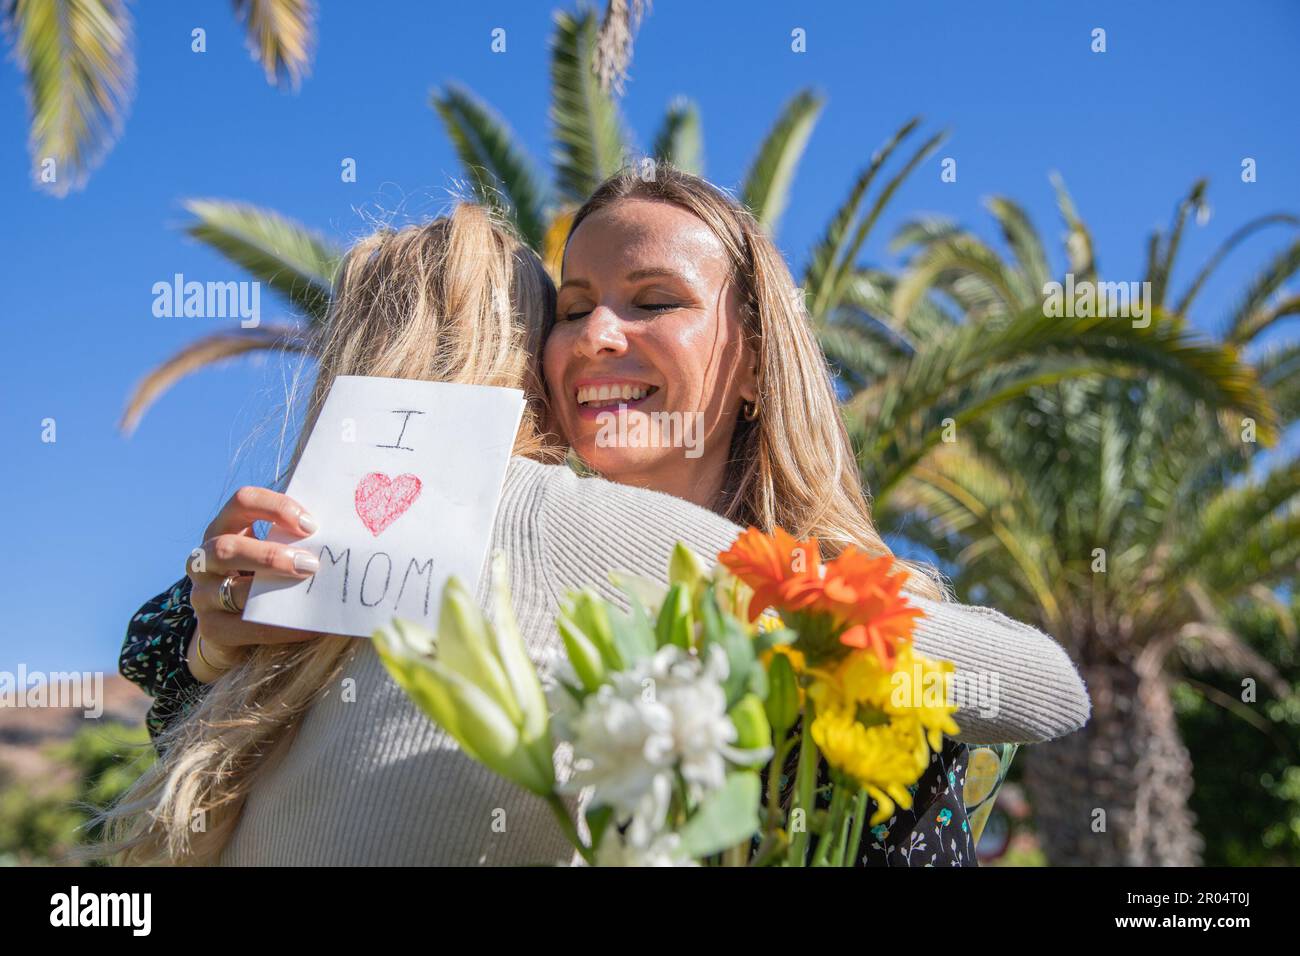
(655, 307)
(659, 306)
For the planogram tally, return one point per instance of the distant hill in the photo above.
(27, 732)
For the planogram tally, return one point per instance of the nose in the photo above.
(602, 334)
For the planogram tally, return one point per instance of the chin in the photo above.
(617, 464)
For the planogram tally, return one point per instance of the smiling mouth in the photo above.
(609, 396)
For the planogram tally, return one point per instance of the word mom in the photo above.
(376, 583)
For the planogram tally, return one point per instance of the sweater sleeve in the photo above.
(1015, 684)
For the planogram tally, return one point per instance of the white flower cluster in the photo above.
(634, 736)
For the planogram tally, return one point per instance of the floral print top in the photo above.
(936, 831)
(153, 656)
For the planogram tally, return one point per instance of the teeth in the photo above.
(595, 396)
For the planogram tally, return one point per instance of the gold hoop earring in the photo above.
(750, 411)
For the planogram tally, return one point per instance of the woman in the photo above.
(696, 321)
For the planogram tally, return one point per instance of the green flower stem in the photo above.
(805, 782)
(831, 835)
(774, 782)
(849, 852)
(570, 829)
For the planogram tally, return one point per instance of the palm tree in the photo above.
(79, 67)
(1118, 513)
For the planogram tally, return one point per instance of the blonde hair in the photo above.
(794, 466)
(457, 300)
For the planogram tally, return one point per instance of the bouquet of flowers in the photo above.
(698, 719)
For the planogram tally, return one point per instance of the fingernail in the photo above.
(304, 562)
(307, 523)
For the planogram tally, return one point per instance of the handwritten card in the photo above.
(403, 478)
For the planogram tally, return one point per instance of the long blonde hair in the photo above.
(457, 300)
(794, 466)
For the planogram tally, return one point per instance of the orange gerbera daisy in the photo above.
(860, 595)
(865, 593)
(784, 573)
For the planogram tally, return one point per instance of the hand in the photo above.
(230, 547)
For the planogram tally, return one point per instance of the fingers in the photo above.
(251, 503)
(221, 628)
(231, 553)
(230, 630)
(205, 593)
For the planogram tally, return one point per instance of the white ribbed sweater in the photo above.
(368, 779)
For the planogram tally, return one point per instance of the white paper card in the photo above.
(403, 478)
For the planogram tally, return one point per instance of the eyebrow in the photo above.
(634, 276)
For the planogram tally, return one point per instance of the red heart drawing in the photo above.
(381, 500)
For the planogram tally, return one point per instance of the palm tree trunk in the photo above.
(1116, 792)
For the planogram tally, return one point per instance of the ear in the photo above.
(748, 378)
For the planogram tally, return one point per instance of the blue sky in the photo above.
(97, 523)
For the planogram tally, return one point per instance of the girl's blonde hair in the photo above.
(794, 466)
(457, 300)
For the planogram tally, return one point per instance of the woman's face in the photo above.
(647, 366)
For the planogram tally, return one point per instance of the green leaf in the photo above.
(503, 174)
(281, 34)
(590, 142)
(633, 634)
(285, 255)
(208, 351)
(782, 703)
(676, 624)
(583, 654)
(680, 140)
(728, 633)
(766, 186)
(726, 817)
(80, 71)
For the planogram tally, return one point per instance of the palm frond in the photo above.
(1244, 322)
(1078, 240)
(766, 186)
(828, 253)
(1164, 266)
(680, 139)
(281, 35)
(1023, 239)
(1234, 240)
(80, 77)
(288, 257)
(1233, 511)
(590, 142)
(503, 174)
(966, 257)
(1279, 372)
(979, 366)
(987, 508)
(843, 248)
(207, 351)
